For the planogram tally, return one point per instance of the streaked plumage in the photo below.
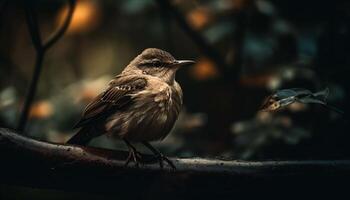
(139, 105)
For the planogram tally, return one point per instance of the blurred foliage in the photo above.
(272, 44)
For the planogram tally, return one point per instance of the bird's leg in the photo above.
(159, 155)
(133, 154)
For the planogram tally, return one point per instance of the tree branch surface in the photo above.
(29, 162)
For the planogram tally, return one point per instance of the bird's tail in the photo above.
(82, 137)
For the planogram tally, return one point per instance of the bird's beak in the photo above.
(181, 63)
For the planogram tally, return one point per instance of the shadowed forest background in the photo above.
(244, 51)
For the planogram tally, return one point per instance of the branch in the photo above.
(59, 32)
(33, 27)
(205, 47)
(40, 164)
(40, 48)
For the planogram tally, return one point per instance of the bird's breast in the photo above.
(162, 103)
(151, 116)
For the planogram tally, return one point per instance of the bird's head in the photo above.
(158, 63)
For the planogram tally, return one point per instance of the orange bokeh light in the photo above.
(204, 69)
(199, 17)
(41, 109)
(85, 18)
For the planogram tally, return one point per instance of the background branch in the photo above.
(28, 162)
(33, 27)
(60, 31)
(40, 48)
(205, 47)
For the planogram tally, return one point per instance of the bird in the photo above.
(139, 105)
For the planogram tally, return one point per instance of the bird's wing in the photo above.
(116, 96)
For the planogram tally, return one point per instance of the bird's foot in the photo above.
(161, 158)
(134, 156)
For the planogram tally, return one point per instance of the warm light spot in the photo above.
(88, 94)
(57, 137)
(239, 4)
(204, 69)
(41, 109)
(233, 5)
(264, 117)
(90, 89)
(85, 17)
(297, 107)
(199, 17)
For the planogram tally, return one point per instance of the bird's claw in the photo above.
(161, 158)
(134, 156)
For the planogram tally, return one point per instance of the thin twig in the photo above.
(40, 48)
(59, 32)
(33, 27)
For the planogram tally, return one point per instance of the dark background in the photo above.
(262, 46)
(259, 46)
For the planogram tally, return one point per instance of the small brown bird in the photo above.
(139, 105)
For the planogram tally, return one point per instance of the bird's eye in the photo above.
(156, 63)
(275, 105)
